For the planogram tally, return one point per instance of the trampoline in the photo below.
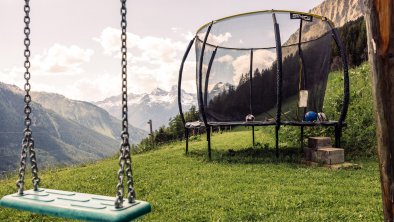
(271, 65)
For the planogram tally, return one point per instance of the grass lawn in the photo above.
(240, 184)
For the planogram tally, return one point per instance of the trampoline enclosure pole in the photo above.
(277, 141)
(200, 96)
(180, 93)
(338, 130)
(301, 138)
(180, 80)
(253, 135)
(187, 140)
(279, 81)
(346, 87)
(209, 142)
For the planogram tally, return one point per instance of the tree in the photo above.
(380, 33)
(174, 131)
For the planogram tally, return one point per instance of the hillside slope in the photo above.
(87, 115)
(240, 184)
(340, 11)
(58, 140)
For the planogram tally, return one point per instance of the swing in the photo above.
(75, 205)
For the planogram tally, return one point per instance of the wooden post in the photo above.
(380, 27)
(150, 127)
(151, 135)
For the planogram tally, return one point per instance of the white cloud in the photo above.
(175, 29)
(225, 59)
(188, 35)
(153, 61)
(145, 79)
(142, 49)
(15, 76)
(58, 59)
(111, 42)
(215, 39)
(103, 86)
(140, 79)
(50, 68)
(189, 77)
(12, 76)
(61, 59)
(159, 50)
(262, 59)
(219, 39)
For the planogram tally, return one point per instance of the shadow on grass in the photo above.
(251, 155)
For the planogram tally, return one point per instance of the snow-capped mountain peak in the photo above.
(159, 92)
(219, 88)
(174, 88)
(159, 105)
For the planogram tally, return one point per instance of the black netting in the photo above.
(305, 71)
(228, 87)
(264, 84)
(238, 85)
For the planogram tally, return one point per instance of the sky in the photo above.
(75, 43)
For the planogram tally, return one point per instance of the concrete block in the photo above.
(319, 142)
(307, 154)
(338, 166)
(328, 155)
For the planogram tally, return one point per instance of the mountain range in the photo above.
(159, 106)
(340, 11)
(218, 88)
(65, 131)
(87, 115)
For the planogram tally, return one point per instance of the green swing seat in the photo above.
(74, 205)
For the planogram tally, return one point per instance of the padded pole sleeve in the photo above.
(301, 55)
(251, 81)
(346, 81)
(279, 70)
(200, 98)
(303, 76)
(180, 80)
(207, 78)
(279, 82)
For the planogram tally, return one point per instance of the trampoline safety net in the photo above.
(237, 67)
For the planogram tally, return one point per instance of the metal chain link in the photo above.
(28, 142)
(125, 157)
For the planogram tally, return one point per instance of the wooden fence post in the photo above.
(380, 27)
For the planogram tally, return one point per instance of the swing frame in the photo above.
(73, 205)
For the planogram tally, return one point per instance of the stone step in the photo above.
(345, 165)
(319, 142)
(328, 155)
(307, 154)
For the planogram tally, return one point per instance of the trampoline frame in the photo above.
(338, 125)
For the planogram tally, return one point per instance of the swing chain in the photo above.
(28, 142)
(125, 158)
